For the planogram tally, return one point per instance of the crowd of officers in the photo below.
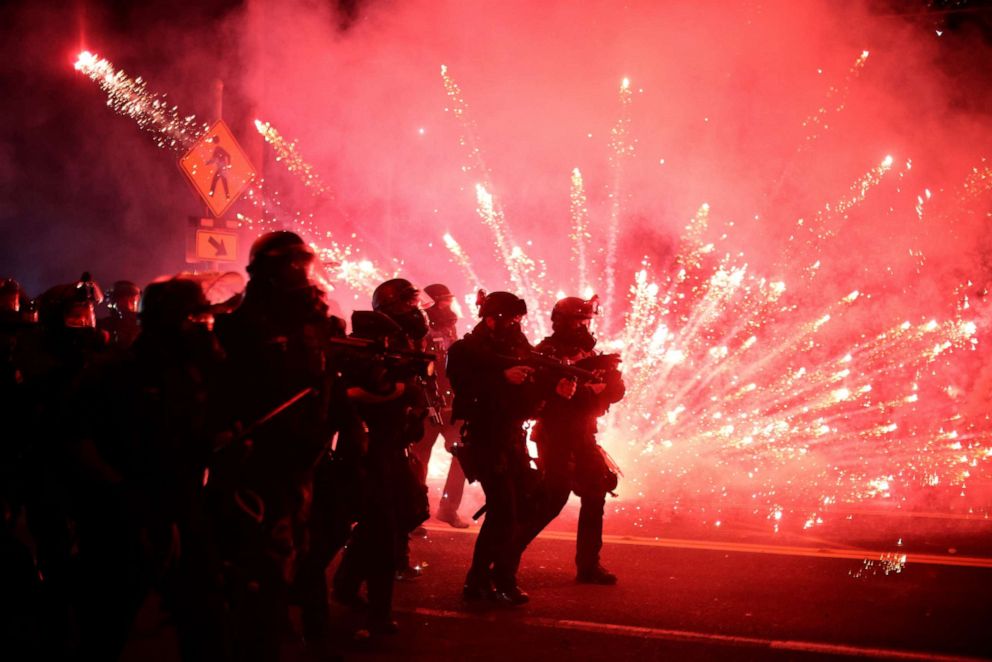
(222, 455)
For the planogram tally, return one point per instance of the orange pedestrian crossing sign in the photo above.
(216, 245)
(218, 168)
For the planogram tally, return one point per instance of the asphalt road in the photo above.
(856, 588)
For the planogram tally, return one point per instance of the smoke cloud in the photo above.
(838, 146)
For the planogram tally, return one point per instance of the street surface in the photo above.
(884, 585)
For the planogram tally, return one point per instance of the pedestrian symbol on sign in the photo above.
(221, 161)
(218, 168)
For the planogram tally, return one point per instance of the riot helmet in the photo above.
(170, 304)
(443, 313)
(571, 320)
(502, 305)
(399, 299)
(395, 295)
(71, 305)
(438, 292)
(124, 297)
(282, 259)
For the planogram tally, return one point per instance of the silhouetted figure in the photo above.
(443, 333)
(122, 323)
(565, 434)
(276, 347)
(389, 398)
(141, 465)
(495, 394)
(52, 361)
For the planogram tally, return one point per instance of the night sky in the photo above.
(82, 189)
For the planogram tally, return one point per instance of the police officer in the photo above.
(389, 398)
(52, 361)
(122, 323)
(276, 347)
(566, 435)
(443, 333)
(495, 394)
(140, 479)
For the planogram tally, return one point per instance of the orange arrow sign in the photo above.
(218, 168)
(216, 246)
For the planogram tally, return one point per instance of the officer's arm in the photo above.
(359, 394)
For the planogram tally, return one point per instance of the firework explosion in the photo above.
(171, 130)
(744, 398)
(746, 392)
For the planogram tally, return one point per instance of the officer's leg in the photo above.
(496, 528)
(506, 556)
(590, 472)
(454, 485)
(423, 448)
(328, 533)
(589, 540)
(381, 561)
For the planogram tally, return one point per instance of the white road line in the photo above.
(780, 550)
(704, 637)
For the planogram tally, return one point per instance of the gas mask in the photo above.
(579, 338)
(413, 321)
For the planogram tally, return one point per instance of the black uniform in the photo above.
(276, 348)
(495, 453)
(570, 458)
(141, 466)
(393, 500)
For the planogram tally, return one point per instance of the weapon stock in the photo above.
(376, 347)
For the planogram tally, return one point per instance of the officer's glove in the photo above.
(566, 388)
(596, 387)
(518, 374)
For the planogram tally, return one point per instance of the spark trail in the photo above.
(522, 270)
(288, 154)
(580, 229)
(172, 130)
(621, 149)
(151, 111)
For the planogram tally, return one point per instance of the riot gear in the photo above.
(124, 296)
(171, 303)
(396, 295)
(574, 308)
(501, 305)
(66, 306)
(438, 292)
(441, 315)
(280, 260)
(570, 321)
(565, 435)
(495, 397)
(398, 299)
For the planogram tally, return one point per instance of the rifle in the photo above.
(423, 362)
(540, 361)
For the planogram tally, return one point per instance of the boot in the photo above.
(596, 575)
(450, 516)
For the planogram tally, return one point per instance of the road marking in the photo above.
(700, 637)
(779, 550)
(910, 514)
